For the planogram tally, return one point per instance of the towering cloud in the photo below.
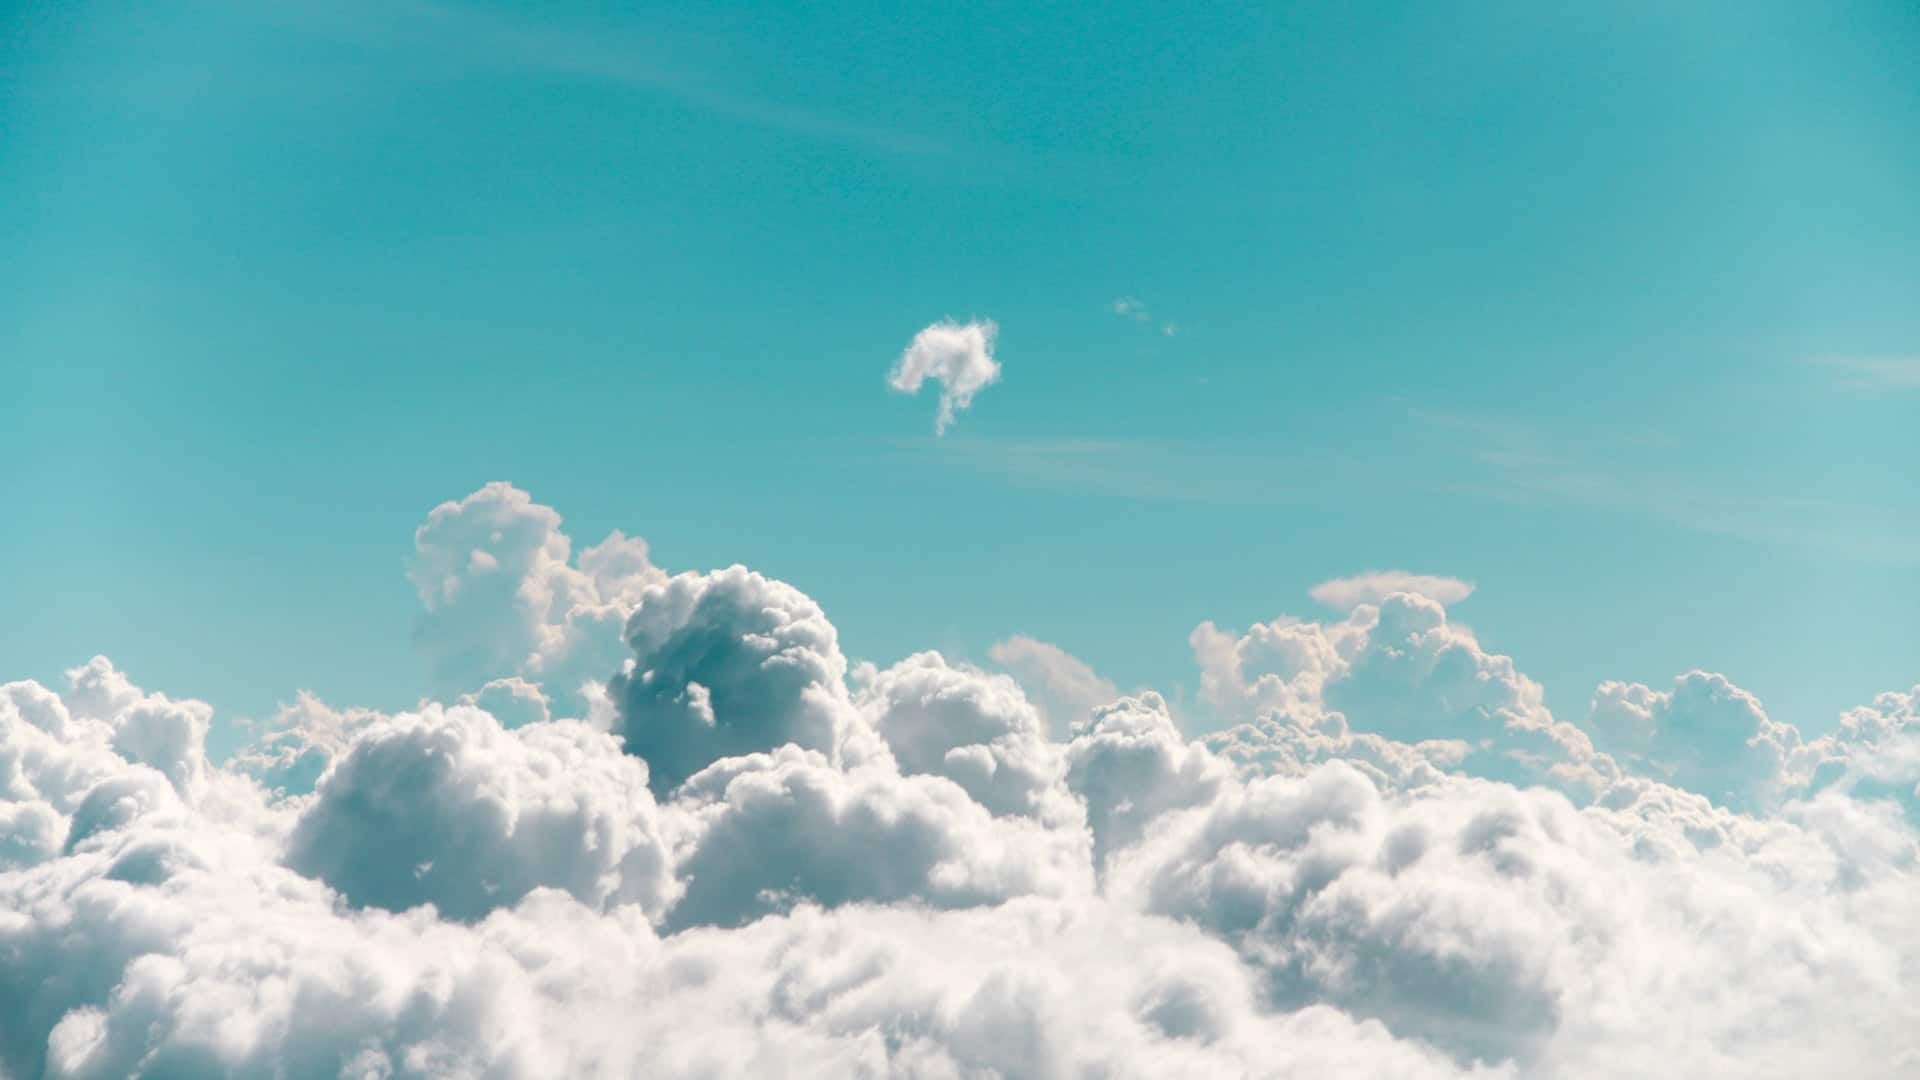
(502, 595)
(731, 663)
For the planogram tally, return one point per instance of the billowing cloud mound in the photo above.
(975, 729)
(776, 830)
(449, 808)
(958, 356)
(501, 594)
(1395, 862)
(1705, 735)
(1393, 674)
(731, 663)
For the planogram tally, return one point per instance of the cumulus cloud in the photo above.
(1705, 735)
(1394, 862)
(731, 663)
(447, 807)
(1347, 593)
(1399, 675)
(974, 728)
(958, 356)
(503, 596)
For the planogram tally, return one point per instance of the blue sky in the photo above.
(1607, 309)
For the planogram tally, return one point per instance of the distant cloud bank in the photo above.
(735, 851)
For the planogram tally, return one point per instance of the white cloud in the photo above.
(973, 728)
(502, 595)
(1386, 681)
(958, 356)
(1345, 594)
(448, 807)
(1705, 735)
(1135, 309)
(731, 663)
(1876, 372)
(1397, 864)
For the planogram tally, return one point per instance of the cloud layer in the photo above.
(748, 855)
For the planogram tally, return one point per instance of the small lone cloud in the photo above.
(1373, 586)
(1135, 309)
(959, 356)
(1875, 372)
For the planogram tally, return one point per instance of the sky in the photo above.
(1017, 541)
(1579, 303)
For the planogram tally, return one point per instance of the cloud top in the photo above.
(1373, 586)
(958, 356)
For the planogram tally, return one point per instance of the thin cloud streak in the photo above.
(1875, 372)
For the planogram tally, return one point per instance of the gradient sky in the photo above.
(1609, 309)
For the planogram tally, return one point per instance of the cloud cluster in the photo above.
(958, 356)
(755, 857)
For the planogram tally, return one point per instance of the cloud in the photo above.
(1705, 735)
(1395, 862)
(1129, 307)
(447, 807)
(1130, 764)
(1875, 372)
(1067, 688)
(959, 356)
(788, 828)
(1345, 594)
(974, 728)
(732, 663)
(1396, 675)
(502, 595)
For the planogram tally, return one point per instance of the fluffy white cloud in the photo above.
(1397, 863)
(1875, 753)
(1705, 735)
(1131, 765)
(973, 728)
(1397, 672)
(1506, 924)
(958, 356)
(447, 807)
(1347, 593)
(781, 829)
(730, 663)
(502, 595)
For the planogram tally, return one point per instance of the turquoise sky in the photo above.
(1612, 309)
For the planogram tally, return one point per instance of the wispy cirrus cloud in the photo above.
(1517, 460)
(1874, 372)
